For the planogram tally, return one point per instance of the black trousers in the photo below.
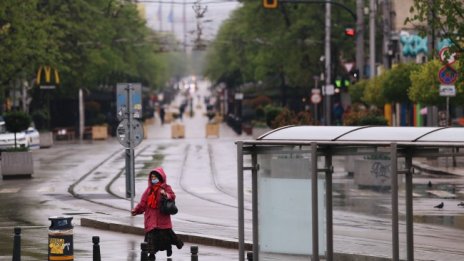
(162, 239)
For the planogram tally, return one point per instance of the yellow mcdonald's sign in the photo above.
(48, 83)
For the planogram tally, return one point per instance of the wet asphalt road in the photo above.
(204, 173)
(28, 203)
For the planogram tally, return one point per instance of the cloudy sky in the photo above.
(167, 15)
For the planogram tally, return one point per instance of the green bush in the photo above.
(271, 113)
(360, 115)
(287, 117)
(17, 121)
(375, 120)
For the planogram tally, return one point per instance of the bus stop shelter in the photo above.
(292, 211)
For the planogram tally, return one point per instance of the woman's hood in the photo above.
(159, 170)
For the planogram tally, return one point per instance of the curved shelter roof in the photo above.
(367, 134)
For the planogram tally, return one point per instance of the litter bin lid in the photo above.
(60, 222)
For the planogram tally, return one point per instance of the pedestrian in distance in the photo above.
(161, 114)
(158, 226)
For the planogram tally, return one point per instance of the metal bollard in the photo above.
(194, 252)
(249, 256)
(60, 239)
(96, 248)
(17, 244)
(144, 253)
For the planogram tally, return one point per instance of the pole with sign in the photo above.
(447, 76)
(129, 131)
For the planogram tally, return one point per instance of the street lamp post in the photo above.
(328, 76)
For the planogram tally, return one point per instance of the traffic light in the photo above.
(342, 82)
(350, 32)
(270, 4)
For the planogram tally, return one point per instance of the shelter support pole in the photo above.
(241, 212)
(329, 207)
(409, 209)
(394, 201)
(314, 200)
(254, 185)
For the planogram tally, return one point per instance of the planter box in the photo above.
(212, 129)
(218, 118)
(150, 121)
(168, 117)
(46, 139)
(17, 164)
(177, 130)
(99, 132)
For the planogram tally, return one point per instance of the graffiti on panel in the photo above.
(413, 44)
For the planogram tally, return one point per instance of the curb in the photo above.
(196, 239)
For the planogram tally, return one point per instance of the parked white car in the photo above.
(28, 138)
(33, 138)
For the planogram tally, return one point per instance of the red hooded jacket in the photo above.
(153, 218)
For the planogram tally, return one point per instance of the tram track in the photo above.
(187, 152)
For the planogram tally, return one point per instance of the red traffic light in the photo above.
(350, 32)
(270, 4)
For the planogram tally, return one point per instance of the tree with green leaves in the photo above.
(374, 87)
(425, 86)
(442, 19)
(397, 82)
(91, 43)
(280, 48)
(25, 42)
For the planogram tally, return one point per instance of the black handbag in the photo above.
(168, 206)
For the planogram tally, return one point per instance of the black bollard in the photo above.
(249, 256)
(144, 253)
(194, 252)
(96, 248)
(17, 244)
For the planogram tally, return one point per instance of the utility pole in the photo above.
(372, 12)
(386, 7)
(360, 37)
(328, 76)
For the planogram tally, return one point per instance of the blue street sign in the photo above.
(121, 100)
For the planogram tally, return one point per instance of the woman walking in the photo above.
(158, 226)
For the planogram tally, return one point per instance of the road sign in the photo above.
(328, 89)
(447, 90)
(316, 96)
(446, 56)
(121, 100)
(122, 133)
(447, 75)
